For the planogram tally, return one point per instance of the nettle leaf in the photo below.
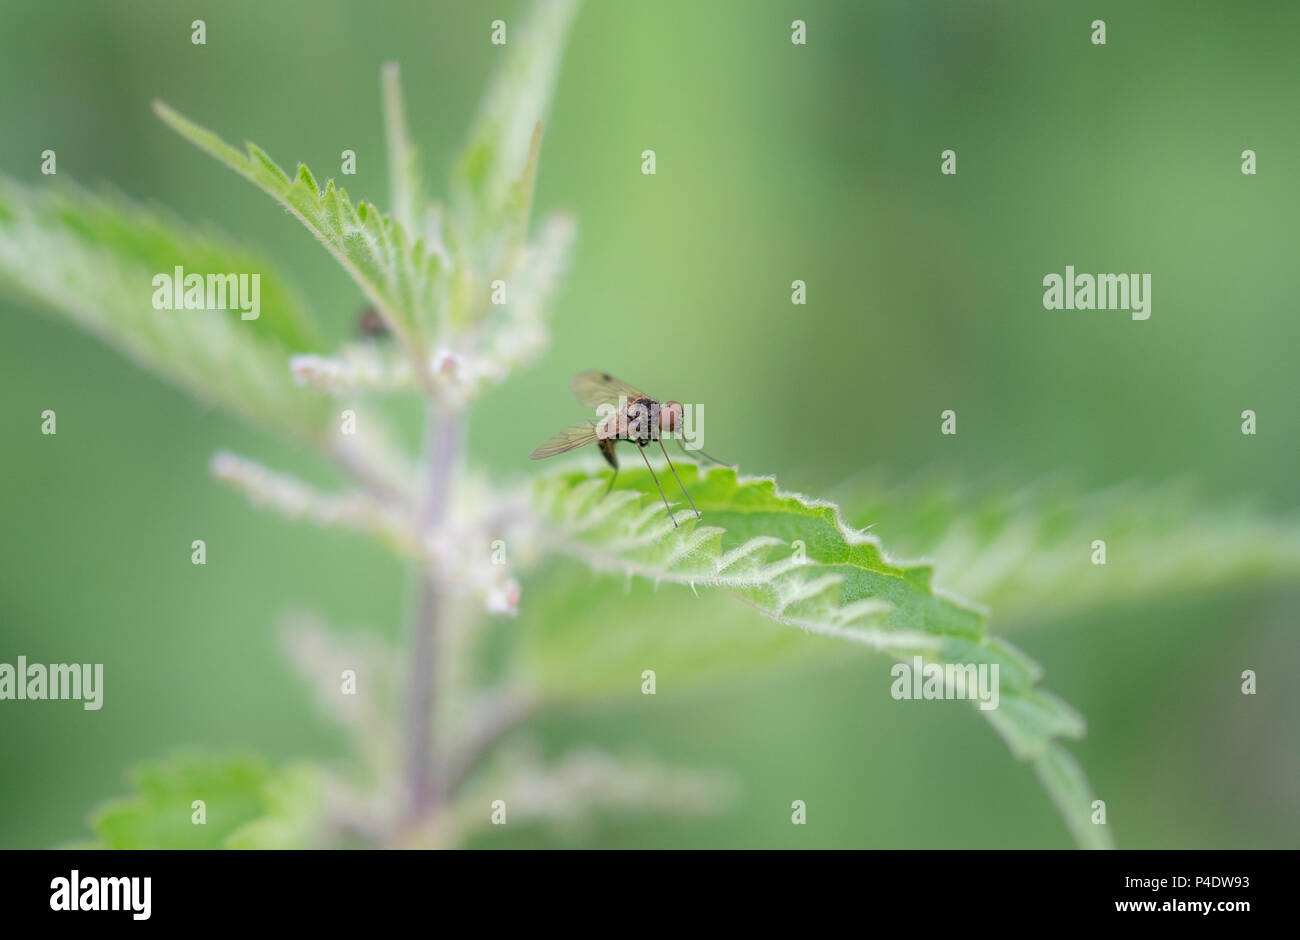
(403, 165)
(490, 191)
(397, 272)
(570, 794)
(159, 814)
(293, 812)
(1027, 551)
(246, 805)
(92, 258)
(795, 561)
(519, 334)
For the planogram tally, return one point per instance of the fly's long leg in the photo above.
(690, 453)
(612, 477)
(678, 479)
(661, 489)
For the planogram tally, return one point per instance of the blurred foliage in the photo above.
(1019, 550)
(160, 813)
(93, 259)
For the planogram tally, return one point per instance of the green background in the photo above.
(775, 162)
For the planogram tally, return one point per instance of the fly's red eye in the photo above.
(670, 416)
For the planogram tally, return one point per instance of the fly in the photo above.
(639, 419)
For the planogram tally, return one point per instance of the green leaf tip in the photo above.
(245, 804)
(400, 286)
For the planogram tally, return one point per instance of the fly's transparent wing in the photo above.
(566, 440)
(595, 388)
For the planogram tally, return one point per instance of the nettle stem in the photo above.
(425, 779)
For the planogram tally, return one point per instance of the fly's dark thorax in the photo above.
(643, 421)
(638, 422)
